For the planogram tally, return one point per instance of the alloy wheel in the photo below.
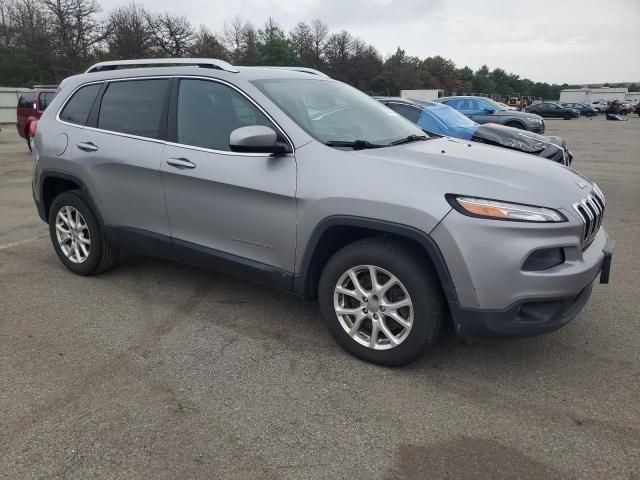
(373, 307)
(73, 234)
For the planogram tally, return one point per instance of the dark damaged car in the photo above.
(442, 120)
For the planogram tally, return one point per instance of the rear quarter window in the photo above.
(78, 107)
(25, 100)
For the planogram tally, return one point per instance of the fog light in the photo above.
(544, 259)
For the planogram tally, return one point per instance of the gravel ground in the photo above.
(160, 370)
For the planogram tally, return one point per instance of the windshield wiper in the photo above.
(356, 144)
(409, 139)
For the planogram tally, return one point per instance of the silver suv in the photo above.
(304, 183)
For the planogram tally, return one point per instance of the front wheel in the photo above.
(568, 116)
(381, 301)
(77, 237)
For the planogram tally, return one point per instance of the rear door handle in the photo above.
(181, 163)
(87, 146)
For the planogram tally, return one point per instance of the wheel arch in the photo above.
(337, 231)
(53, 183)
(513, 121)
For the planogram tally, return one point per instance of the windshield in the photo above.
(334, 112)
(496, 105)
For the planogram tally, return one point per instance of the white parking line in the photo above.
(15, 244)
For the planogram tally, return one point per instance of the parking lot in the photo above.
(161, 370)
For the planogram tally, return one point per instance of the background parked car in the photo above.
(600, 105)
(31, 104)
(584, 109)
(553, 110)
(442, 120)
(484, 110)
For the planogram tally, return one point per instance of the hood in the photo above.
(552, 148)
(461, 167)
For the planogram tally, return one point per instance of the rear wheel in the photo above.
(381, 301)
(77, 237)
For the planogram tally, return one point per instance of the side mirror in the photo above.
(489, 111)
(256, 139)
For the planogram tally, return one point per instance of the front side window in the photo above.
(331, 111)
(209, 111)
(78, 107)
(133, 107)
(407, 111)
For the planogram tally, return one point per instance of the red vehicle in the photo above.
(31, 104)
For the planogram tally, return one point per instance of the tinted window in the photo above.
(25, 100)
(407, 111)
(133, 107)
(45, 99)
(208, 112)
(77, 109)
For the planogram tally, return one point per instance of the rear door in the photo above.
(118, 153)
(227, 209)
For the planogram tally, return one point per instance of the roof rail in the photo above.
(158, 62)
(312, 71)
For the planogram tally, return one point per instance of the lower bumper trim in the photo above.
(522, 319)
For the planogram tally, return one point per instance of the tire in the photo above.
(100, 254)
(417, 281)
(589, 114)
(517, 125)
(29, 139)
(568, 116)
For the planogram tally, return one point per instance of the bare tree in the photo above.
(234, 38)
(319, 34)
(207, 45)
(76, 32)
(128, 34)
(301, 39)
(172, 36)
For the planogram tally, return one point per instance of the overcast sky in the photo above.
(557, 41)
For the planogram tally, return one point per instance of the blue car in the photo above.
(441, 120)
(585, 110)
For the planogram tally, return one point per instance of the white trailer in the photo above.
(422, 94)
(588, 95)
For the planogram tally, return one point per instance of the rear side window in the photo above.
(77, 109)
(25, 100)
(134, 107)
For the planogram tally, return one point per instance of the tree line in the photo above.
(43, 41)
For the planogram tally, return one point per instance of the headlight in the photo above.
(497, 210)
(534, 120)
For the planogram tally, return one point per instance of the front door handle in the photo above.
(87, 146)
(181, 163)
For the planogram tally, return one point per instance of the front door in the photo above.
(227, 210)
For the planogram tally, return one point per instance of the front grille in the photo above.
(591, 211)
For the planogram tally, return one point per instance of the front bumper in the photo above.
(496, 296)
(527, 317)
(537, 127)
